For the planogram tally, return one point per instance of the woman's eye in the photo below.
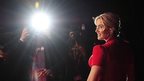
(99, 27)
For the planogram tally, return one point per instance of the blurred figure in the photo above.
(36, 64)
(3, 55)
(113, 60)
(3, 63)
(77, 57)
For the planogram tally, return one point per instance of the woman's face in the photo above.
(103, 32)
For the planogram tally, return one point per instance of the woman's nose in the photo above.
(96, 30)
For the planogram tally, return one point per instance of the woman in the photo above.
(112, 61)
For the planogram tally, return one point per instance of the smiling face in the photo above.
(102, 31)
(107, 26)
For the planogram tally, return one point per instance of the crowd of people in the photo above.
(35, 58)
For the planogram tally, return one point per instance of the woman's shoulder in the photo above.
(99, 47)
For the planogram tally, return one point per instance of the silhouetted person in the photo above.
(78, 58)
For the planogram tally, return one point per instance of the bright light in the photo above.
(40, 21)
(37, 4)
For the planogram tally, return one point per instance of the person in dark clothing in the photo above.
(77, 58)
(32, 58)
(3, 63)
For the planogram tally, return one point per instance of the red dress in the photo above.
(115, 58)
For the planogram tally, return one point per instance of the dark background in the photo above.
(73, 13)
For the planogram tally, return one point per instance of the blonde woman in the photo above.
(112, 61)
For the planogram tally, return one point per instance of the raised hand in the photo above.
(24, 35)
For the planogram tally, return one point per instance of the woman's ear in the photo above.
(111, 30)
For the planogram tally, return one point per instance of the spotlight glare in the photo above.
(40, 21)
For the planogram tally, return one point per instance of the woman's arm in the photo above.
(94, 73)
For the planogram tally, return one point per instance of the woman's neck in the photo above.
(112, 37)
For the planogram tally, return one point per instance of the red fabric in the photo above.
(38, 65)
(97, 56)
(114, 57)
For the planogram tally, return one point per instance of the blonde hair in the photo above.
(111, 20)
